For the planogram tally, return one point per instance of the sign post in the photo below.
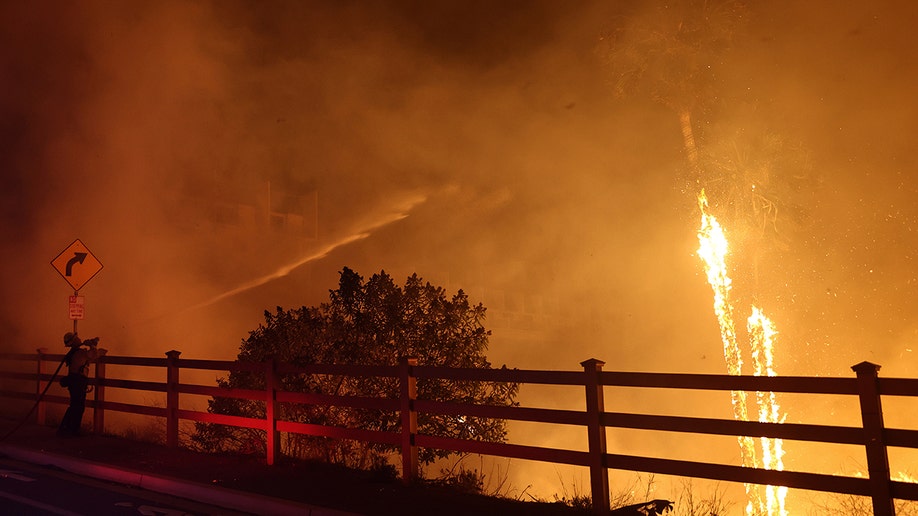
(77, 265)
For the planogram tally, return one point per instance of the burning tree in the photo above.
(373, 322)
(676, 53)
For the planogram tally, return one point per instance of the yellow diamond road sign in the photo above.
(77, 265)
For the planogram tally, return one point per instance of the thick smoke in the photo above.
(198, 147)
(132, 127)
(546, 197)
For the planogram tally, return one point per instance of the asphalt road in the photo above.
(28, 490)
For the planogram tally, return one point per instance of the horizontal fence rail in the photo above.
(32, 373)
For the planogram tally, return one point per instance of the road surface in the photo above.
(29, 490)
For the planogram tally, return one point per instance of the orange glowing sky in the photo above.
(544, 194)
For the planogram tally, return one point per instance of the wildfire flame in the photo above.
(761, 338)
(713, 248)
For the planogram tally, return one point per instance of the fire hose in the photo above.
(40, 396)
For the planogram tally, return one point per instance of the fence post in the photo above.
(273, 436)
(877, 458)
(596, 436)
(98, 412)
(40, 410)
(408, 394)
(172, 397)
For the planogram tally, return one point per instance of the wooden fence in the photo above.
(867, 386)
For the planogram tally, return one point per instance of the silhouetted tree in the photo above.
(373, 322)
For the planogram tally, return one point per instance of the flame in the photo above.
(761, 339)
(713, 252)
(713, 248)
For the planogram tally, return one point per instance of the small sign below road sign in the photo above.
(77, 265)
(77, 304)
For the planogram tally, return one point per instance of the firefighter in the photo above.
(81, 354)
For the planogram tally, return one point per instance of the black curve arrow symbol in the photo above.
(77, 258)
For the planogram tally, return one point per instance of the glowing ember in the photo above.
(713, 251)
